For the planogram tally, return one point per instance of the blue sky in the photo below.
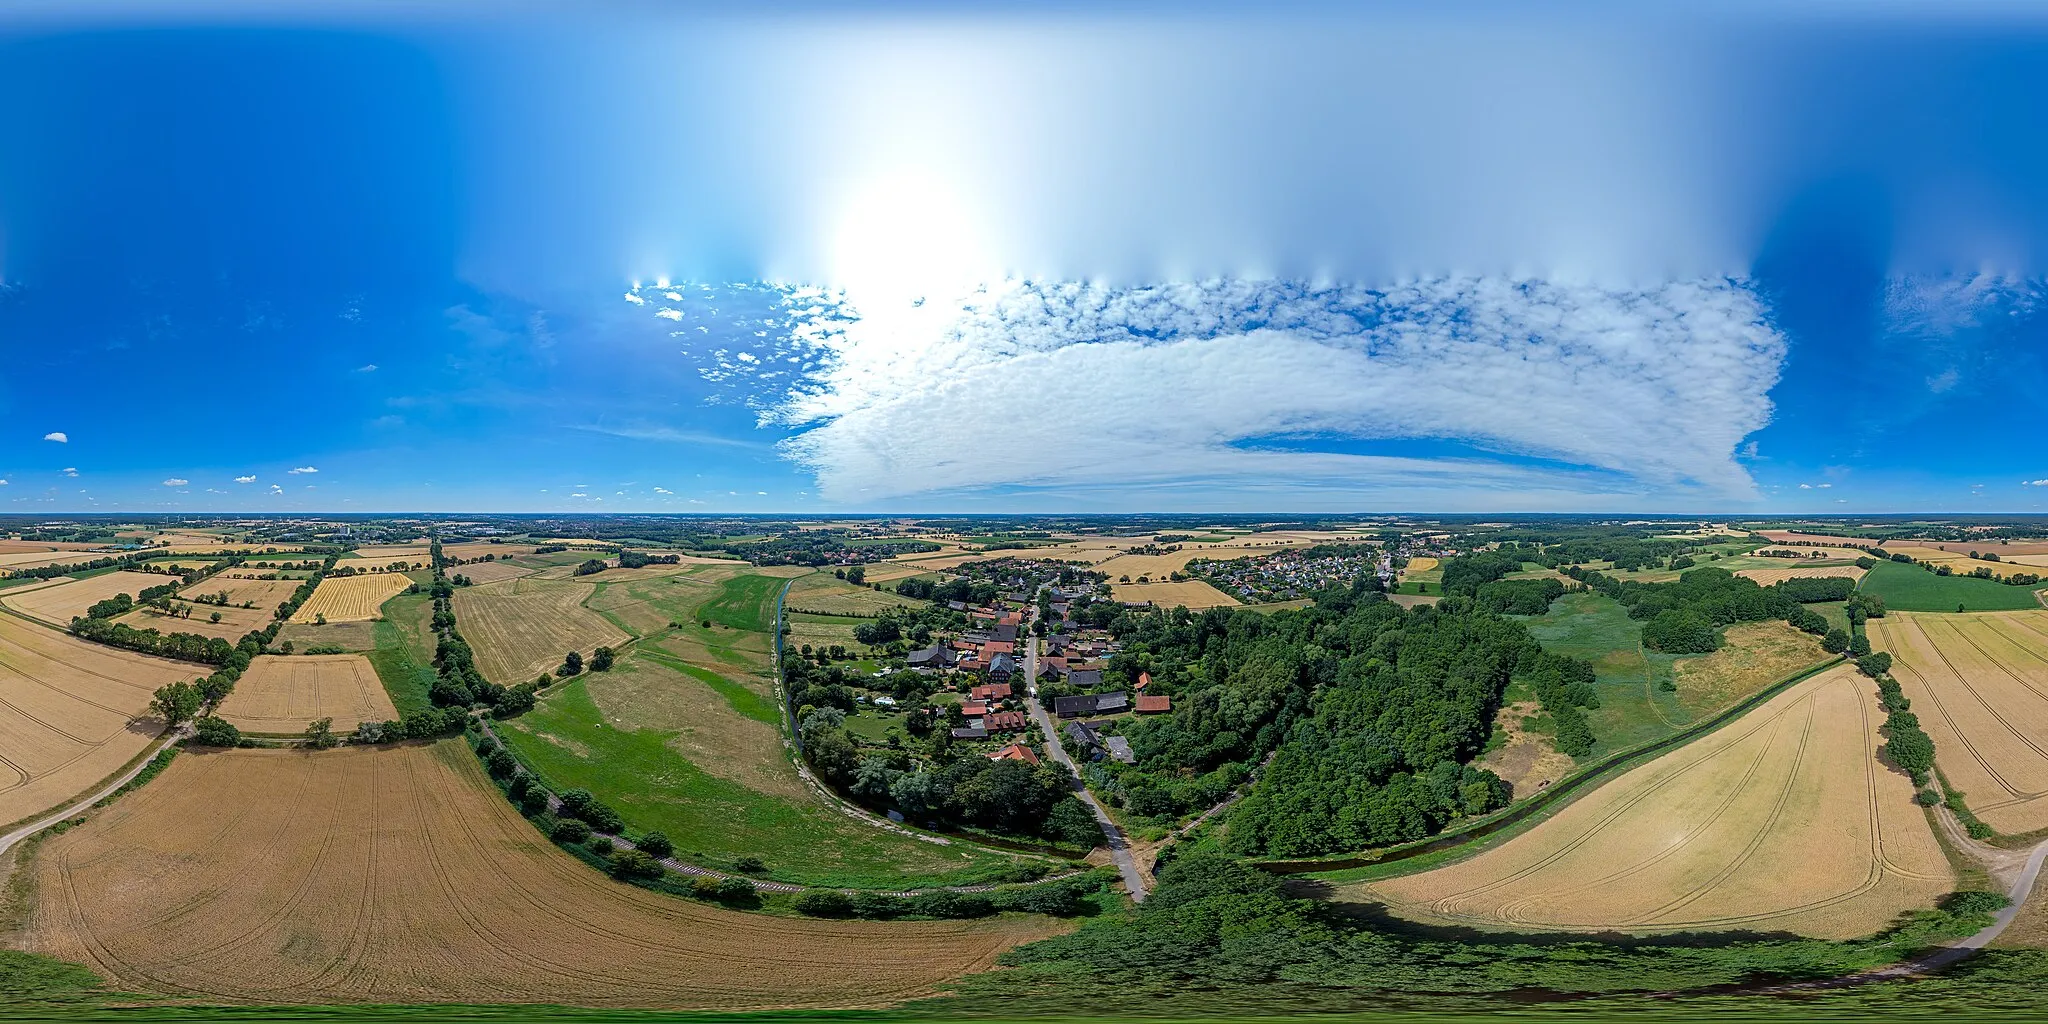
(1768, 259)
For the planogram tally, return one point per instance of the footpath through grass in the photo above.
(1909, 588)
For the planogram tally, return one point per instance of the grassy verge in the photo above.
(404, 657)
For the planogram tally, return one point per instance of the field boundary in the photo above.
(1512, 821)
(109, 786)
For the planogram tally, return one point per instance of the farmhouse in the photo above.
(1004, 721)
(970, 732)
(1015, 752)
(989, 691)
(1090, 704)
(1153, 704)
(1085, 678)
(1002, 667)
(934, 657)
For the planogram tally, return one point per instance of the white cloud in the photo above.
(367, 368)
(305, 469)
(1806, 487)
(58, 436)
(579, 494)
(176, 482)
(635, 299)
(275, 489)
(1824, 486)
(69, 471)
(658, 490)
(245, 479)
(1553, 393)
(3, 483)
(670, 314)
(2034, 483)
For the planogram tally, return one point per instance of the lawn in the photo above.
(1633, 706)
(1909, 588)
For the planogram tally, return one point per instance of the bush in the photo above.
(704, 887)
(1875, 664)
(878, 906)
(656, 845)
(1927, 798)
(736, 890)
(633, 864)
(600, 845)
(749, 865)
(570, 830)
(215, 732)
(951, 904)
(824, 903)
(533, 801)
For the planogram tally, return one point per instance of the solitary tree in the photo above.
(320, 734)
(176, 703)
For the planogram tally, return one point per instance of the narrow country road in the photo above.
(84, 803)
(1119, 845)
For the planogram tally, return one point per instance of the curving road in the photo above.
(1119, 844)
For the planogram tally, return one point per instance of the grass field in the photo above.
(822, 592)
(351, 598)
(1635, 707)
(59, 604)
(284, 694)
(1979, 684)
(402, 652)
(381, 875)
(1781, 821)
(1909, 588)
(71, 714)
(684, 736)
(522, 628)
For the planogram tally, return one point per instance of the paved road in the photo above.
(85, 802)
(1119, 844)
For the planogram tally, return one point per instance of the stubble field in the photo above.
(284, 694)
(489, 572)
(1192, 594)
(57, 605)
(1767, 577)
(522, 628)
(400, 875)
(71, 714)
(1781, 821)
(1980, 686)
(352, 598)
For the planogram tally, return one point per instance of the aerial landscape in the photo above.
(888, 511)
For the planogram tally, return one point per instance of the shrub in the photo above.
(736, 890)
(533, 801)
(1927, 798)
(569, 830)
(601, 846)
(500, 762)
(656, 845)
(878, 906)
(824, 903)
(749, 865)
(215, 732)
(633, 864)
(704, 887)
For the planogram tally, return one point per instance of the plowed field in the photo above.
(352, 598)
(522, 628)
(59, 604)
(400, 875)
(1781, 821)
(1193, 594)
(1980, 686)
(281, 694)
(70, 714)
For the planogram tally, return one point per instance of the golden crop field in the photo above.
(1979, 683)
(60, 604)
(381, 553)
(285, 693)
(1781, 821)
(235, 621)
(352, 598)
(1194, 595)
(522, 628)
(71, 714)
(1766, 577)
(478, 549)
(399, 875)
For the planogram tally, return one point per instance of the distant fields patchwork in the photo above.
(1781, 821)
(58, 605)
(399, 874)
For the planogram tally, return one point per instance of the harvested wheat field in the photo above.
(489, 572)
(381, 553)
(399, 875)
(1766, 577)
(522, 628)
(60, 605)
(1979, 683)
(1781, 821)
(285, 693)
(235, 620)
(1192, 594)
(71, 714)
(352, 598)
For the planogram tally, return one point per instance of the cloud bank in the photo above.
(1531, 392)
